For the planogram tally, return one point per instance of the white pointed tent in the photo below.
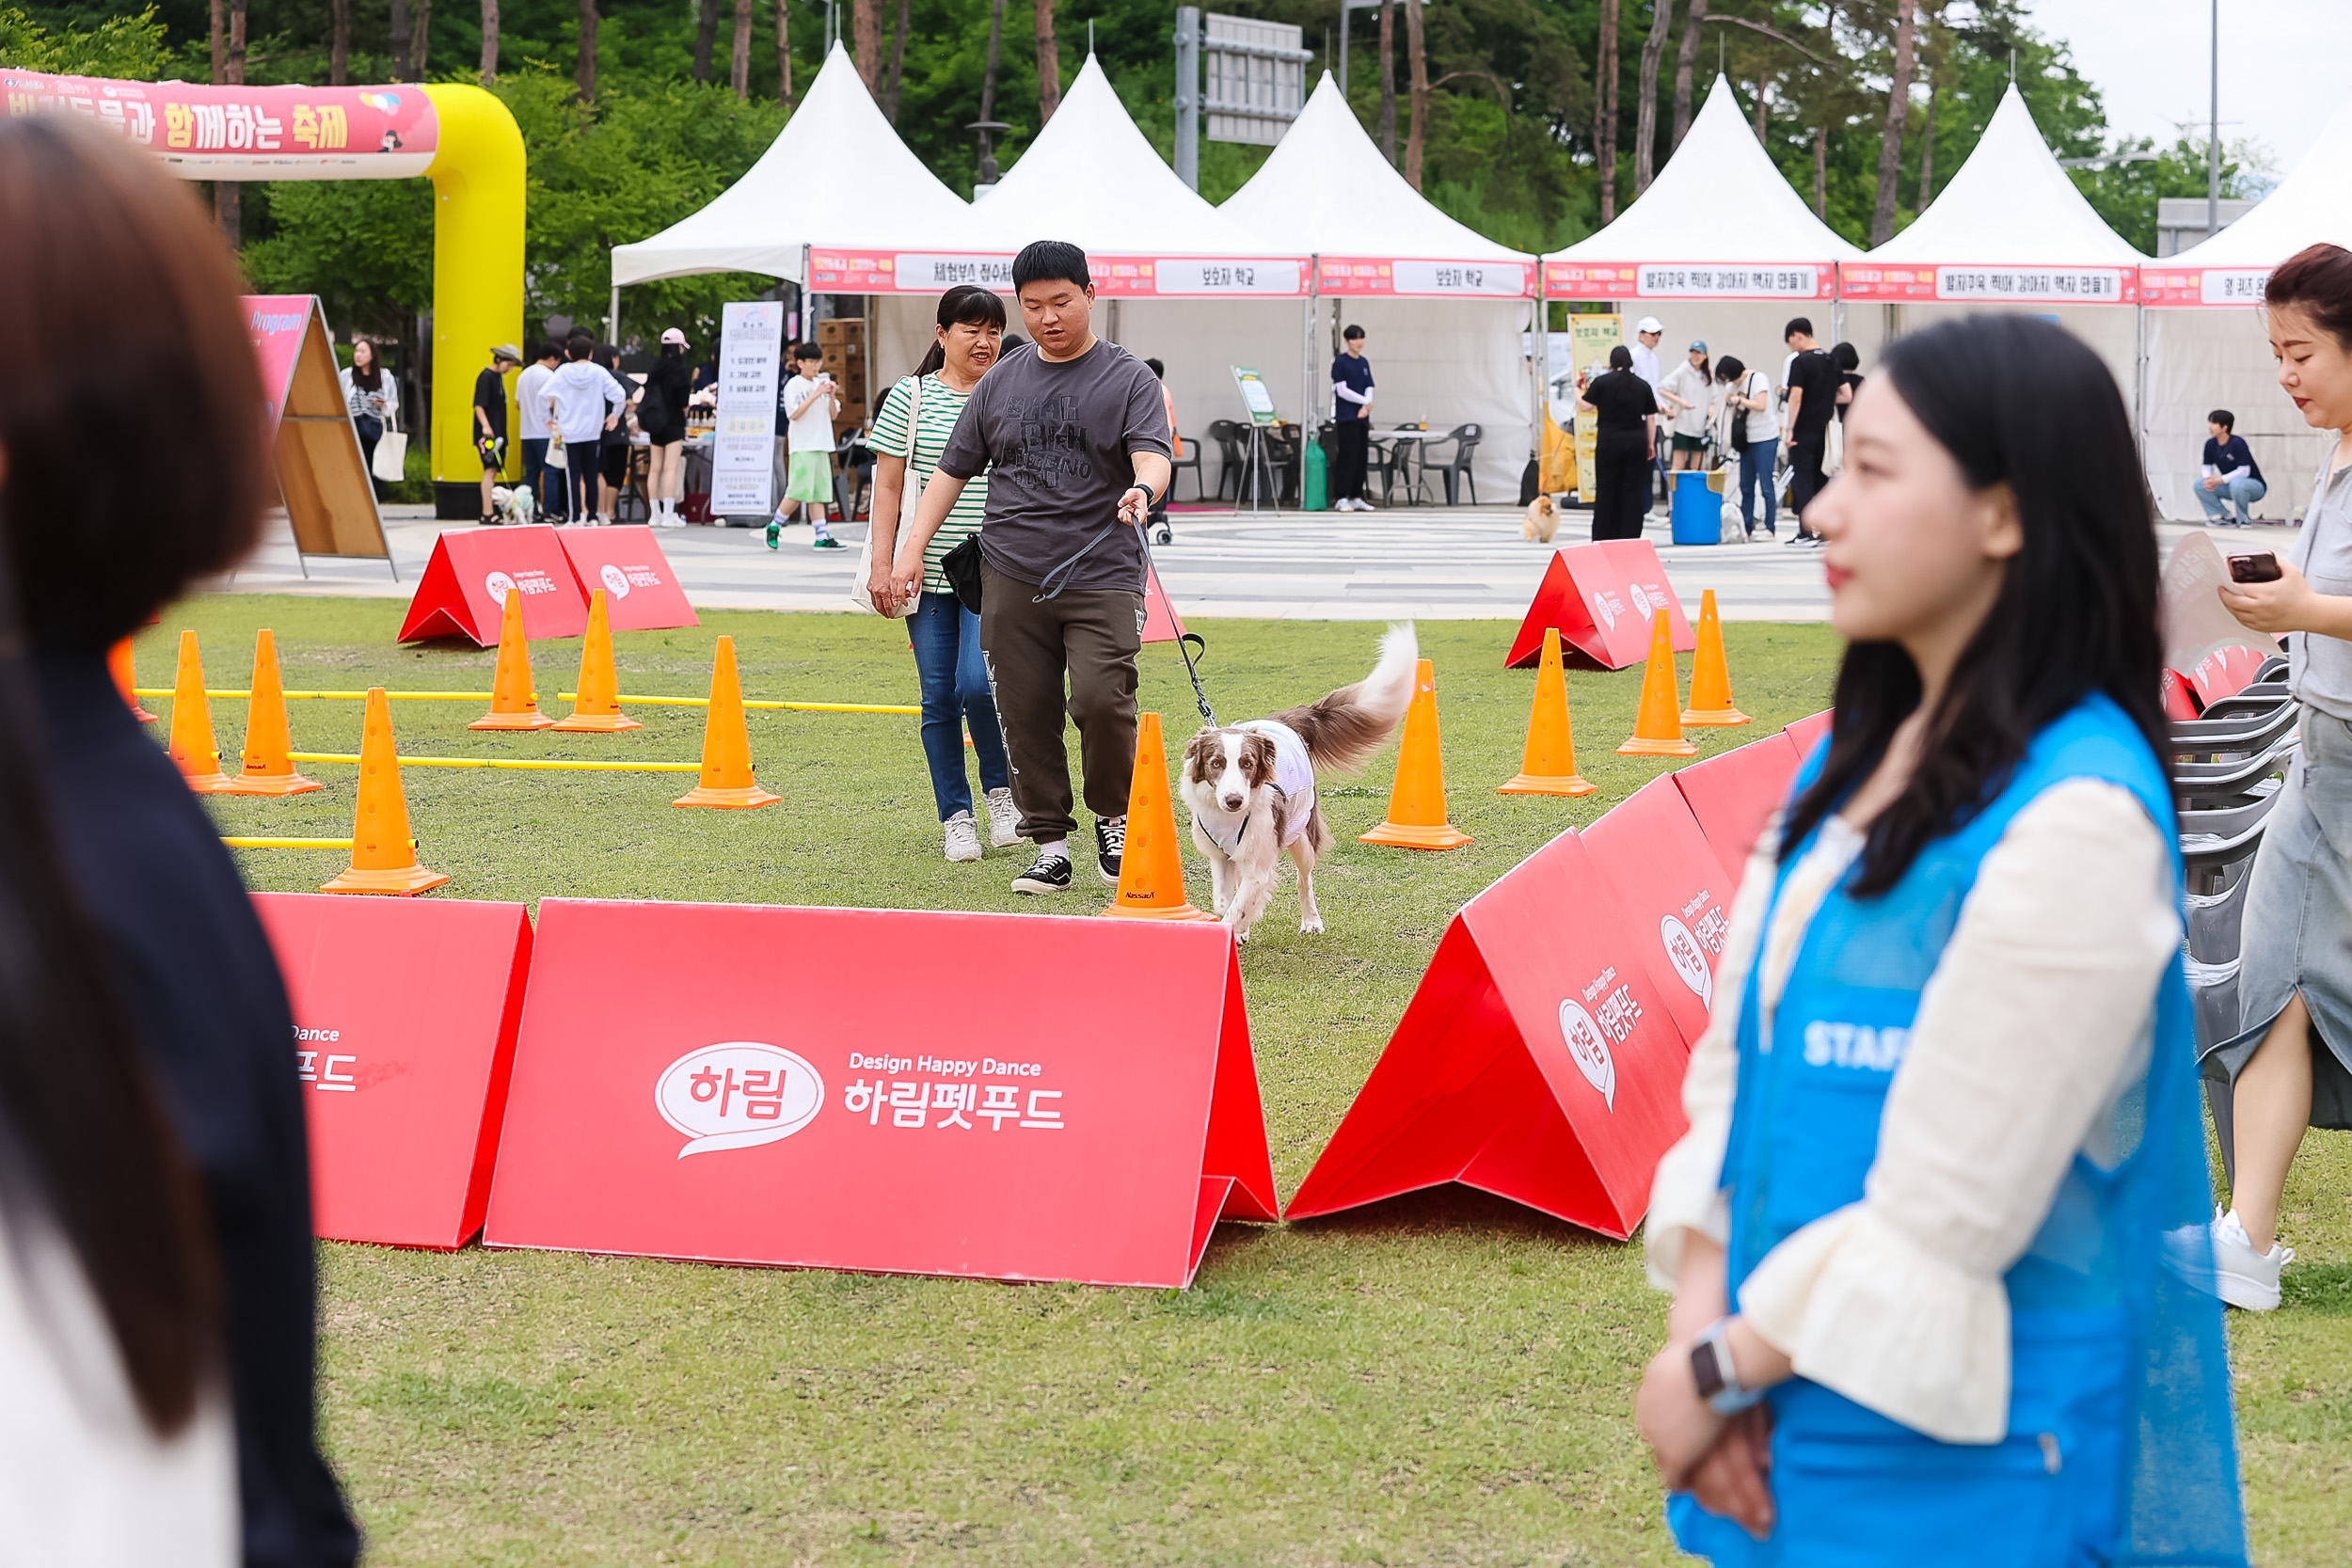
(836, 203)
(1720, 248)
(1445, 309)
(2011, 233)
(2208, 345)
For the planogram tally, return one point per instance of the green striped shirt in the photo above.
(941, 406)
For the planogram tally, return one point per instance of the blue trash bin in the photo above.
(1698, 509)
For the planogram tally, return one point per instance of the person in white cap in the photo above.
(1648, 331)
(662, 415)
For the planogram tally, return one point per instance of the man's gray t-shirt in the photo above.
(1055, 441)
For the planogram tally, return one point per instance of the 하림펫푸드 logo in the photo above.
(615, 580)
(738, 1094)
(1642, 603)
(1688, 958)
(500, 585)
(1590, 1048)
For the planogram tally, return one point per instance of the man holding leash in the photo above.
(1074, 436)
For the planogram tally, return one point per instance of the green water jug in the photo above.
(1316, 498)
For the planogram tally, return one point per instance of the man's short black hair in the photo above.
(804, 352)
(545, 352)
(1047, 261)
(1157, 369)
(1351, 334)
(1797, 324)
(579, 346)
(2223, 418)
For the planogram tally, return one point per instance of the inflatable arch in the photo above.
(458, 137)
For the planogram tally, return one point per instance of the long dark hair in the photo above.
(2021, 402)
(369, 375)
(117, 283)
(965, 305)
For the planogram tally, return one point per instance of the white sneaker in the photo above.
(2247, 1279)
(1004, 819)
(964, 837)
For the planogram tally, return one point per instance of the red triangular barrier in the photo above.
(1538, 1060)
(1673, 891)
(702, 1112)
(1601, 598)
(1733, 794)
(463, 591)
(1161, 623)
(641, 591)
(404, 1013)
(1810, 729)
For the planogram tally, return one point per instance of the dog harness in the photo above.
(1294, 780)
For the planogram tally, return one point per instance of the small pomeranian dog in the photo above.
(1541, 522)
(1251, 786)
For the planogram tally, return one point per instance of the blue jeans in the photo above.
(1755, 473)
(947, 638)
(2241, 487)
(535, 473)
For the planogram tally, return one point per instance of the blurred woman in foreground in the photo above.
(1942, 1288)
(113, 283)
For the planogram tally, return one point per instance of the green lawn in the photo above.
(1445, 1379)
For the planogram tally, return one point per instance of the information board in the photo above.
(742, 451)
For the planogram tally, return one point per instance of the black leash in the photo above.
(1058, 579)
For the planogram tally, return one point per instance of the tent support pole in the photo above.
(1539, 370)
(1310, 406)
(613, 319)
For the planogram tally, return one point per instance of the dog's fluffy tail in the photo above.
(1344, 728)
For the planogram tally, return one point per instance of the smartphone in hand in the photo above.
(2262, 566)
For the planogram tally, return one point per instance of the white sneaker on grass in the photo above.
(1004, 819)
(2247, 1279)
(964, 837)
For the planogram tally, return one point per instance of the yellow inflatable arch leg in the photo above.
(477, 178)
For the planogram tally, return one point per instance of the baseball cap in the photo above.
(1698, 346)
(1649, 324)
(509, 352)
(671, 335)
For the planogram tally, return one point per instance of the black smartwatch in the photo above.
(1712, 1370)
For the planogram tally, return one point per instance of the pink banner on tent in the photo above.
(2020, 285)
(907, 272)
(1198, 277)
(248, 132)
(2221, 286)
(1356, 275)
(1690, 280)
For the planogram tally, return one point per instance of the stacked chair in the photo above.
(2228, 767)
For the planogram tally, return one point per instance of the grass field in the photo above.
(1444, 1378)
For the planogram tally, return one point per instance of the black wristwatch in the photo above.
(1712, 1370)
(1149, 498)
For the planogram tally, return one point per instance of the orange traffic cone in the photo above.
(268, 736)
(596, 701)
(125, 665)
(1417, 818)
(727, 779)
(383, 857)
(1152, 872)
(1548, 765)
(1657, 727)
(191, 745)
(514, 702)
(1711, 673)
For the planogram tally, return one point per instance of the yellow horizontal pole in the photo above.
(516, 764)
(294, 843)
(562, 696)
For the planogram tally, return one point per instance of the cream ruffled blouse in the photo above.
(2032, 1029)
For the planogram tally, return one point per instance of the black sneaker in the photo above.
(1051, 874)
(1110, 845)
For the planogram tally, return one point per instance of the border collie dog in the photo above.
(1251, 786)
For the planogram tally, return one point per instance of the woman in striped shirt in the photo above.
(910, 428)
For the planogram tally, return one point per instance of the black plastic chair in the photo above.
(1457, 467)
(1232, 457)
(1395, 459)
(1191, 460)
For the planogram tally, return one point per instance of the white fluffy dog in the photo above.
(1251, 786)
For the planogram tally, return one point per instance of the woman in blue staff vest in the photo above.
(1942, 1288)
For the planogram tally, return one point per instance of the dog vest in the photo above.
(1294, 776)
(2120, 1448)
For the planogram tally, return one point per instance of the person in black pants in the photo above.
(1626, 443)
(1814, 381)
(1351, 423)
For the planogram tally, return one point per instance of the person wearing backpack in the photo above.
(1752, 429)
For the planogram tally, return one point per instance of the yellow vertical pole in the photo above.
(477, 178)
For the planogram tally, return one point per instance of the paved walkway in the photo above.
(1436, 563)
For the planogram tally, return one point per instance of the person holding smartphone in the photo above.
(2291, 1063)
